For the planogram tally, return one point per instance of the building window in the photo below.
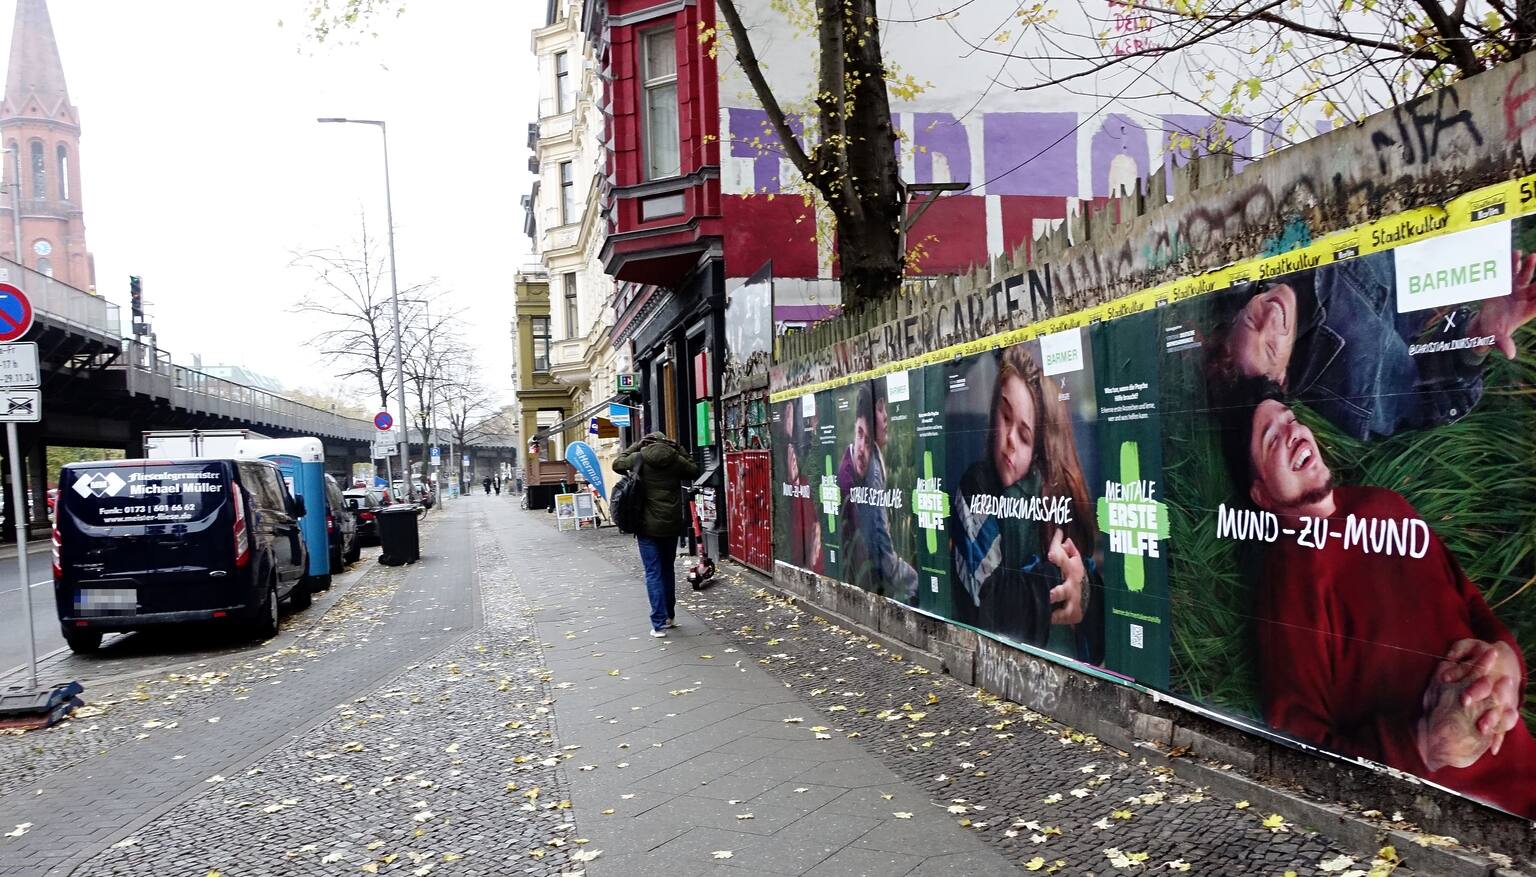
(563, 100)
(572, 314)
(658, 72)
(39, 172)
(45, 266)
(63, 155)
(567, 193)
(554, 442)
(540, 344)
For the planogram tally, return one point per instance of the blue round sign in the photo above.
(383, 421)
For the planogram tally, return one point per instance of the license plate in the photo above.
(107, 601)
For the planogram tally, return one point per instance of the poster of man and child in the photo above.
(1307, 500)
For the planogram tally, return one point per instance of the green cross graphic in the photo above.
(1130, 473)
(924, 498)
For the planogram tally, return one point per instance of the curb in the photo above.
(1324, 817)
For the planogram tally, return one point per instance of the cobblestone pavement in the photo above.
(142, 747)
(449, 768)
(1044, 796)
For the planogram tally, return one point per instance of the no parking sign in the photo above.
(15, 313)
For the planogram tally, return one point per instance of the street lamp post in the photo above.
(394, 304)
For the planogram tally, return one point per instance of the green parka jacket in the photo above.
(664, 470)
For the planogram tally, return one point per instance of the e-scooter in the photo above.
(700, 573)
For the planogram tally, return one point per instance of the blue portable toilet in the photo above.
(302, 462)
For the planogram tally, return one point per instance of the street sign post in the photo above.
(437, 456)
(383, 421)
(20, 402)
(21, 406)
(18, 365)
(15, 313)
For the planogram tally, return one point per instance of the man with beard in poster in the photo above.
(1368, 650)
(1332, 338)
(871, 554)
(1013, 575)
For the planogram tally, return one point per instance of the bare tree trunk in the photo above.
(854, 164)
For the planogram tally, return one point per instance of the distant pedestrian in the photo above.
(486, 483)
(518, 482)
(496, 485)
(664, 467)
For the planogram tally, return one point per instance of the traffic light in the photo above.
(136, 294)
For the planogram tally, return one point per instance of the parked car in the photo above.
(365, 504)
(140, 543)
(424, 494)
(340, 526)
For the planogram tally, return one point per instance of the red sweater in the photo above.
(1348, 641)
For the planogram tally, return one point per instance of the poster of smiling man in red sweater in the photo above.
(1372, 641)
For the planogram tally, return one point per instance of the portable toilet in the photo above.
(302, 462)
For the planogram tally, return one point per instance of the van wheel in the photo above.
(355, 552)
(303, 593)
(338, 561)
(266, 622)
(83, 642)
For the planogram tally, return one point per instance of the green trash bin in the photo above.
(399, 536)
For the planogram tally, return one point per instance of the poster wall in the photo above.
(1302, 496)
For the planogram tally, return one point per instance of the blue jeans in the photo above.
(658, 555)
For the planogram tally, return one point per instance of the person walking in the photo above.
(664, 467)
(486, 483)
(496, 485)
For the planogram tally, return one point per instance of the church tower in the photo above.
(40, 130)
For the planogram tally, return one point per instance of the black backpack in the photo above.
(628, 500)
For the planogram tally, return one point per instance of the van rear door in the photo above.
(151, 523)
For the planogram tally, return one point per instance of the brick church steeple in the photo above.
(40, 128)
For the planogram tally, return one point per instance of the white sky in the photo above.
(203, 167)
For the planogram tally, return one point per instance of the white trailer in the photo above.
(182, 443)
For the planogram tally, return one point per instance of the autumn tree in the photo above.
(851, 158)
(1289, 67)
(349, 300)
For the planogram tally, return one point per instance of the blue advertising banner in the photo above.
(618, 415)
(581, 455)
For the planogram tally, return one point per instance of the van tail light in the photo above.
(367, 516)
(58, 567)
(330, 523)
(242, 541)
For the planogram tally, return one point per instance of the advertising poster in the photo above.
(1022, 541)
(875, 477)
(796, 510)
(1301, 497)
(930, 496)
(1130, 506)
(1371, 518)
(831, 408)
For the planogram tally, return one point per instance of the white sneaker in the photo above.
(658, 633)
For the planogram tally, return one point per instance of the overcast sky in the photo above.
(203, 168)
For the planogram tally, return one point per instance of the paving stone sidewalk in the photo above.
(969, 766)
(695, 760)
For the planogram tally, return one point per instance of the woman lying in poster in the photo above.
(1372, 641)
(1021, 530)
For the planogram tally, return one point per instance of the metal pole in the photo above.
(19, 503)
(394, 305)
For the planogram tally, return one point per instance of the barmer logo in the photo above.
(1467, 266)
(1062, 352)
(99, 485)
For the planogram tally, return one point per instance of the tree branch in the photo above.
(746, 58)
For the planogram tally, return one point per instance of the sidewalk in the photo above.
(693, 760)
(978, 775)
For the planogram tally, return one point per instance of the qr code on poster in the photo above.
(1138, 637)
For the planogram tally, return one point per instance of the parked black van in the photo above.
(139, 543)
